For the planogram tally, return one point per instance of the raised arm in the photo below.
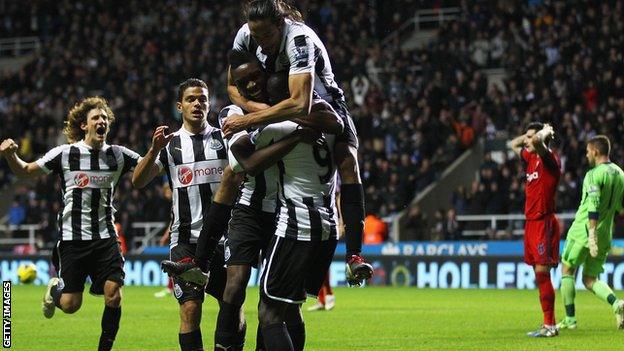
(516, 144)
(539, 140)
(147, 168)
(22, 169)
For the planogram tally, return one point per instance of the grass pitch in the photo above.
(372, 318)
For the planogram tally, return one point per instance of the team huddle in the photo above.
(258, 191)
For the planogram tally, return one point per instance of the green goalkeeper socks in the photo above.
(604, 292)
(569, 293)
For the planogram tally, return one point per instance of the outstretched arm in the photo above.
(22, 169)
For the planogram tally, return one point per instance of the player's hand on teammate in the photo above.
(233, 124)
(309, 136)
(161, 138)
(8, 147)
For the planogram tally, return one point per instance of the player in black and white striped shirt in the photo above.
(89, 169)
(276, 34)
(195, 161)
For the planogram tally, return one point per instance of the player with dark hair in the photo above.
(89, 169)
(541, 232)
(195, 161)
(275, 33)
(589, 238)
(253, 217)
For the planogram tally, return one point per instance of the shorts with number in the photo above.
(576, 254)
(99, 259)
(349, 134)
(248, 235)
(185, 291)
(294, 269)
(541, 241)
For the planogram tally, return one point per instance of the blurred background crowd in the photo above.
(416, 109)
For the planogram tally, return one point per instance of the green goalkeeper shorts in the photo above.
(576, 254)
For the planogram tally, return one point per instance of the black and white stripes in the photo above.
(306, 187)
(88, 177)
(194, 164)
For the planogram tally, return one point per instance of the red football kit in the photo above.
(541, 231)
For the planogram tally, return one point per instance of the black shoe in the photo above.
(185, 269)
(358, 270)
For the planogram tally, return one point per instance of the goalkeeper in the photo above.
(589, 237)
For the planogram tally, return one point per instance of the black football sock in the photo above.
(57, 292)
(352, 207)
(259, 340)
(191, 341)
(226, 335)
(239, 341)
(297, 335)
(110, 326)
(276, 337)
(215, 226)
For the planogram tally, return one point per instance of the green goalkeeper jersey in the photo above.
(603, 190)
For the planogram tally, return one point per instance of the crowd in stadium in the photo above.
(415, 111)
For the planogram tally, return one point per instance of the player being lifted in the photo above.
(89, 169)
(541, 231)
(253, 217)
(276, 34)
(589, 237)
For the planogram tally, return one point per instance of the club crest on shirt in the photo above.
(215, 144)
(81, 180)
(302, 53)
(540, 249)
(185, 175)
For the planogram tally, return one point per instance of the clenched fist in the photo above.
(8, 147)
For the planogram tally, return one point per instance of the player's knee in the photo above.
(71, 306)
(237, 280)
(268, 312)
(293, 315)
(589, 282)
(113, 300)
(190, 315)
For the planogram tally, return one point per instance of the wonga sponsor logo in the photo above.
(185, 175)
(81, 180)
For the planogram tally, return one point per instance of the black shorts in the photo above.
(294, 269)
(184, 291)
(100, 259)
(349, 134)
(248, 235)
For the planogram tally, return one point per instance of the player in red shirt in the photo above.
(541, 231)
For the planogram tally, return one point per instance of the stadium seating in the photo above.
(415, 110)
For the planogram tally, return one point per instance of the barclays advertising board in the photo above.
(442, 272)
